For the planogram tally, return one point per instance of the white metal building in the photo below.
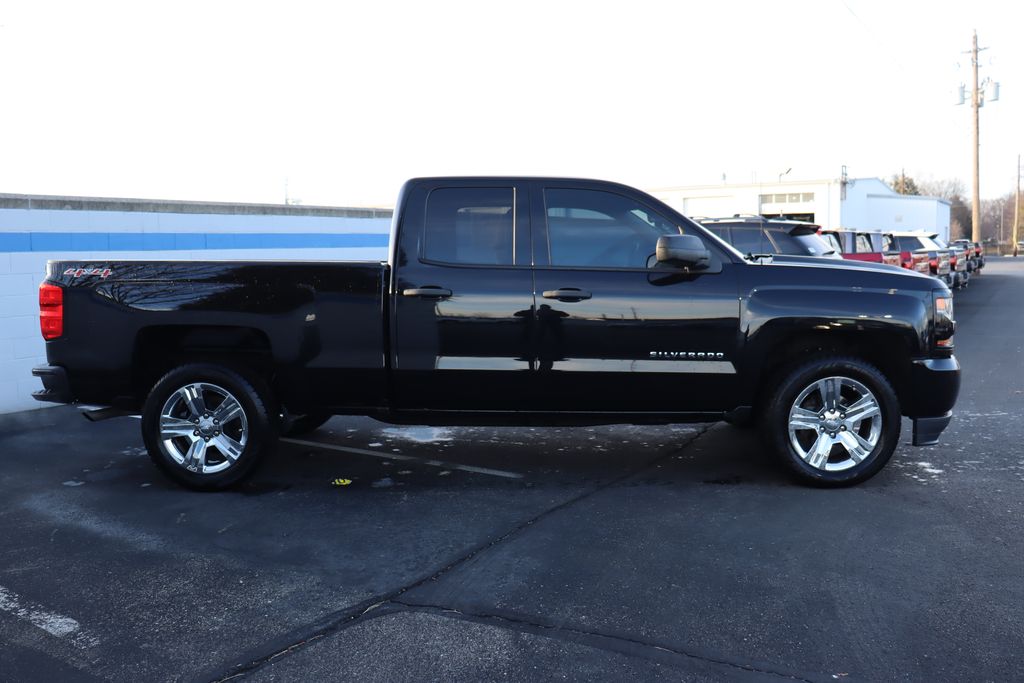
(858, 203)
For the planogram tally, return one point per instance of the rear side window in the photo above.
(911, 244)
(788, 244)
(470, 226)
(750, 240)
(864, 244)
(718, 230)
(832, 240)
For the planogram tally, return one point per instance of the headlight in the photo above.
(945, 325)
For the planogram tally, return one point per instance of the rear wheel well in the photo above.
(159, 349)
(887, 351)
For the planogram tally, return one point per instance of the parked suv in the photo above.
(759, 235)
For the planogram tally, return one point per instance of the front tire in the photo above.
(834, 421)
(207, 426)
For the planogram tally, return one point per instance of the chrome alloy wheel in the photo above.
(203, 428)
(835, 423)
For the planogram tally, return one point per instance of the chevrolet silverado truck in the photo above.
(507, 301)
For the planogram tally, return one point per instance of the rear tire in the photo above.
(208, 426)
(834, 421)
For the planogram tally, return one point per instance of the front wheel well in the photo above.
(887, 351)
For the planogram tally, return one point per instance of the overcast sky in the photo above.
(343, 101)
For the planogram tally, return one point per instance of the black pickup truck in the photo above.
(508, 301)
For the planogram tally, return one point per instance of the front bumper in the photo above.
(56, 387)
(928, 429)
(935, 385)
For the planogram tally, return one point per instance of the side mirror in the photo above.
(682, 250)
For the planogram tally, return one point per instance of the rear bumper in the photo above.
(56, 387)
(935, 386)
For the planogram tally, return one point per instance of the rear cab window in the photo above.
(470, 226)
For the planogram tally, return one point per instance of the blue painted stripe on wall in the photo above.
(169, 241)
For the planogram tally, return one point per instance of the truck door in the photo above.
(616, 331)
(463, 297)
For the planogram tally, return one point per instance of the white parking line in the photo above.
(398, 456)
(55, 624)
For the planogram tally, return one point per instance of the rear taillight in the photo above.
(51, 311)
(906, 259)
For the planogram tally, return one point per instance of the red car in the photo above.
(864, 245)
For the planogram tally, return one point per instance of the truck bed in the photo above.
(320, 323)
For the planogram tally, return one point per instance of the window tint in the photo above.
(864, 244)
(719, 230)
(749, 240)
(832, 240)
(471, 225)
(787, 244)
(601, 229)
(910, 244)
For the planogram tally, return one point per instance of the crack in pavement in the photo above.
(592, 638)
(347, 617)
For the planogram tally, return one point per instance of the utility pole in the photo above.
(1016, 209)
(977, 102)
(975, 105)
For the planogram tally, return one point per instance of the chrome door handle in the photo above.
(429, 292)
(567, 294)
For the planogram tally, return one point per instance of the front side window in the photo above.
(470, 226)
(597, 229)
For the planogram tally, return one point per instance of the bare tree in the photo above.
(947, 188)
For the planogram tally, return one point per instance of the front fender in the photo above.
(770, 315)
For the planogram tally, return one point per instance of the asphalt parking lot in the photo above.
(677, 553)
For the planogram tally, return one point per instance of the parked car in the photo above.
(941, 261)
(863, 245)
(979, 249)
(507, 301)
(959, 258)
(974, 252)
(760, 235)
